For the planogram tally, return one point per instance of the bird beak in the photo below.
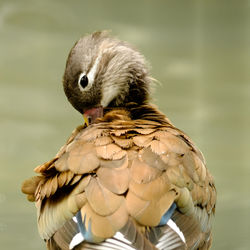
(92, 114)
(86, 119)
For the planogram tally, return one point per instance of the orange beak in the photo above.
(92, 114)
(86, 119)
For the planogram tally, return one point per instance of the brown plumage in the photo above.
(125, 171)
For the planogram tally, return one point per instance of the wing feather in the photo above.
(119, 171)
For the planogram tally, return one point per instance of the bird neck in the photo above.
(137, 112)
(137, 93)
(149, 112)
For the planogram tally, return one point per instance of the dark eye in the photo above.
(84, 81)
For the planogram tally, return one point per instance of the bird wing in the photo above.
(120, 170)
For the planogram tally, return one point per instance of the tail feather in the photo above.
(135, 237)
(63, 237)
(195, 228)
(129, 238)
(170, 240)
(166, 237)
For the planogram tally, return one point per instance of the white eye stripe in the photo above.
(91, 75)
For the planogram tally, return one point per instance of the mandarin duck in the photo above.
(127, 178)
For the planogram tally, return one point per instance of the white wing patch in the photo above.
(77, 239)
(74, 219)
(172, 224)
(120, 236)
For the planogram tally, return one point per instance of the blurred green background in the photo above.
(199, 51)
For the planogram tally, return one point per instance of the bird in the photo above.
(126, 178)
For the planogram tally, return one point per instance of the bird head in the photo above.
(102, 71)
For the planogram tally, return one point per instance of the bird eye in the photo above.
(83, 81)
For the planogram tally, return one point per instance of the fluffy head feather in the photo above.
(117, 73)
